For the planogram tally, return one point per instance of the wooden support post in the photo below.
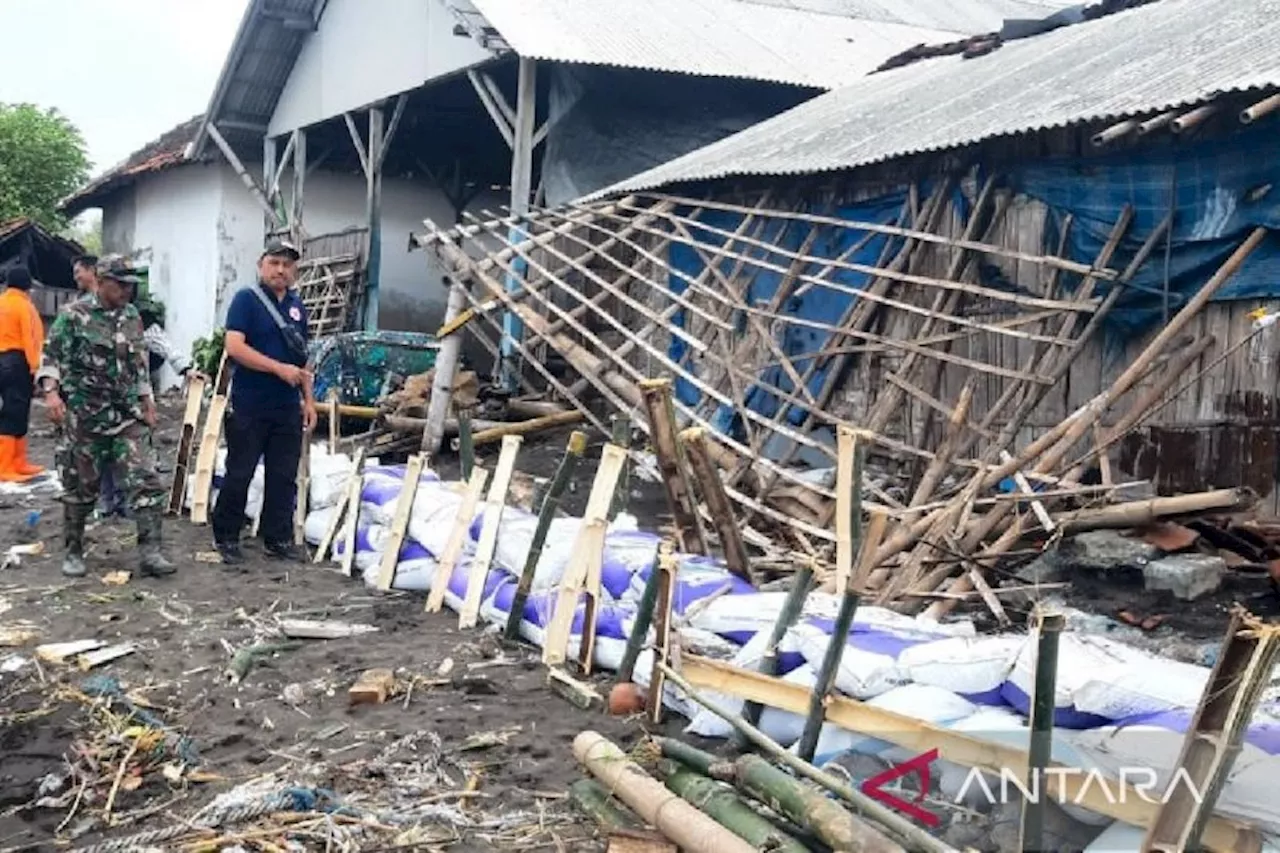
(187, 442)
(675, 477)
(584, 565)
(492, 522)
(270, 180)
(466, 447)
(521, 188)
(302, 491)
(373, 217)
(550, 504)
(247, 179)
(207, 459)
(400, 522)
(446, 368)
(694, 441)
(335, 420)
(1049, 629)
(348, 503)
(667, 568)
(1215, 736)
(457, 539)
(297, 233)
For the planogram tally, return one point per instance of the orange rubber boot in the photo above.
(20, 462)
(8, 453)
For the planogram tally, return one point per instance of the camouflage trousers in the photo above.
(82, 460)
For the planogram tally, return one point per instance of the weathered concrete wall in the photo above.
(118, 221)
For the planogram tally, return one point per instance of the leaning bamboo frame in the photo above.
(920, 338)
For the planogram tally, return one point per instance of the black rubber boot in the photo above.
(73, 521)
(152, 561)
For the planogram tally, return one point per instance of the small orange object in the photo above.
(625, 699)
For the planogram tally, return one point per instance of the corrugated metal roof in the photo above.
(1166, 55)
(967, 17)
(262, 55)
(713, 38)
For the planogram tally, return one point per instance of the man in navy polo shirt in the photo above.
(270, 407)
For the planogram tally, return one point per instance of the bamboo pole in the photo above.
(466, 443)
(827, 675)
(644, 618)
(620, 426)
(725, 807)
(445, 368)
(682, 823)
(801, 582)
(546, 514)
(916, 839)
(501, 431)
(1040, 750)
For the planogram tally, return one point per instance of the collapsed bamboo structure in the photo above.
(926, 334)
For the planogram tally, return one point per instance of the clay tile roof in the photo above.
(168, 151)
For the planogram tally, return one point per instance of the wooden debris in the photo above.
(59, 652)
(624, 841)
(89, 660)
(662, 629)
(578, 693)
(206, 458)
(671, 462)
(1216, 734)
(723, 518)
(308, 629)
(372, 687)
(348, 507)
(186, 442)
(522, 428)
(16, 636)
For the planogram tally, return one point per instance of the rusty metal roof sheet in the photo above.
(1170, 54)
(164, 153)
(713, 38)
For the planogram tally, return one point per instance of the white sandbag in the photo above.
(434, 512)
(863, 672)
(745, 615)
(317, 524)
(1118, 838)
(626, 550)
(329, 475)
(1082, 659)
(782, 726)
(672, 697)
(253, 502)
(917, 701)
(974, 667)
(612, 622)
(1147, 684)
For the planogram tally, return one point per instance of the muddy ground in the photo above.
(476, 720)
(291, 714)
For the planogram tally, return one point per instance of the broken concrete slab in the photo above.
(1105, 551)
(1187, 576)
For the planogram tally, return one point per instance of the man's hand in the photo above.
(309, 416)
(149, 411)
(56, 409)
(291, 374)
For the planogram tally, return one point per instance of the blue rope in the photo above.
(108, 687)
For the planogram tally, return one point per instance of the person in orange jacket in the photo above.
(21, 343)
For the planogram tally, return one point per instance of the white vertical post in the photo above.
(373, 208)
(296, 231)
(521, 187)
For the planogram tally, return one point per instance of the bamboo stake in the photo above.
(349, 502)
(792, 606)
(848, 505)
(671, 462)
(694, 442)
(827, 675)
(1040, 752)
(457, 540)
(466, 442)
(186, 443)
(644, 618)
(621, 436)
(666, 571)
(491, 523)
(546, 514)
(400, 522)
(335, 422)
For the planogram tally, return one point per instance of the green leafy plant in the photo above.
(42, 161)
(206, 353)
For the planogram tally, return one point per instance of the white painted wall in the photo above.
(175, 230)
(365, 51)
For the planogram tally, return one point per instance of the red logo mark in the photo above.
(874, 788)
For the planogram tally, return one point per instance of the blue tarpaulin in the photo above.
(1221, 189)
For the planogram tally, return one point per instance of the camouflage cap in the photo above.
(118, 268)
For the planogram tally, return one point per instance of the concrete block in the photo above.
(1187, 576)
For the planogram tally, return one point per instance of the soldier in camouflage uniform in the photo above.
(98, 388)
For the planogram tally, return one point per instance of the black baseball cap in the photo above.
(282, 247)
